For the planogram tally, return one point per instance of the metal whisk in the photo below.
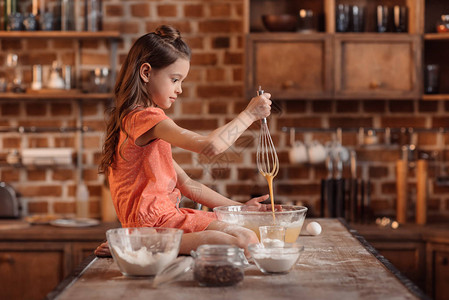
(267, 159)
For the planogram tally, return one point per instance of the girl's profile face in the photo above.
(164, 85)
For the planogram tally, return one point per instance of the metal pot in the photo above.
(9, 204)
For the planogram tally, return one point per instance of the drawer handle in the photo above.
(444, 261)
(7, 258)
(375, 84)
(288, 84)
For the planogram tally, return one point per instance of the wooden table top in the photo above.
(337, 264)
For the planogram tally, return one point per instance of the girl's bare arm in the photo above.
(198, 192)
(219, 233)
(217, 141)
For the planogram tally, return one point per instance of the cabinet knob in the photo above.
(288, 84)
(444, 261)
(375, 84)
(7, 258)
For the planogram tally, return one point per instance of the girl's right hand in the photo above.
(259, 107)
(236, 235)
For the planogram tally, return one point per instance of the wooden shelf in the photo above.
(60, 95)
(59, 34)
(436, 97)
(436, 36)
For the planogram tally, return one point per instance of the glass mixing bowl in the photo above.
(290, 216)
(143, 251)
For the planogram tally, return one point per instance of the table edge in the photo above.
(72, 277)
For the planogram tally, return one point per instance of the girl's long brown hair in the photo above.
(160, 49)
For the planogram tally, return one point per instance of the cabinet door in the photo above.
(289, 66)
(377, 66)
(438, 270)
(31, 270)
(407, 257)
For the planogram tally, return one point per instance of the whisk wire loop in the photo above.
(267, 159)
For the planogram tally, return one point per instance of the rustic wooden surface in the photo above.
(18, 230)
(334, 265)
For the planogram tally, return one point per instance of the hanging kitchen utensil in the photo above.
(442, 179)
(354, 188)
(367, 204)
(329, 186)
(362, 200)
(323, 197)
(339, 188)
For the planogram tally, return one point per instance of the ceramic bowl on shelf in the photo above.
(143, 251)
(289, 216)
(279, 23)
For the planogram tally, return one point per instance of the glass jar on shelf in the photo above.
(443, 24)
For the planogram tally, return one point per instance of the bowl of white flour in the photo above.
(271, 260)
(143, 251)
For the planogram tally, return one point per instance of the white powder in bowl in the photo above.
(275, 263)
(273, 243)
(142, 262)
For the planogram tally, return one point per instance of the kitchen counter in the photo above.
(337, 264)
(405, 232)
(19, 230)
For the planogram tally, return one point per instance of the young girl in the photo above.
(146, 183)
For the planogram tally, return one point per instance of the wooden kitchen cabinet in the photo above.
(35, 259)
(438, 270)
(29, 270)
(273, 63)
(408, 257)
(435, 46)
(420, 252)
(377, 66)
(366, 65)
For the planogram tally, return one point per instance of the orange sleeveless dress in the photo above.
(143, 182)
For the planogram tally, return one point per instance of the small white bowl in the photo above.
(143, 251)
(279, 260)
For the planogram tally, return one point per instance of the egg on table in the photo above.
(313, 228)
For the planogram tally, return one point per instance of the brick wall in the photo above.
(213, 94)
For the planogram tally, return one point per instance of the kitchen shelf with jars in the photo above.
(342, 49)
(54, 71)
(60, 81)
(73, 20)
(436, 42)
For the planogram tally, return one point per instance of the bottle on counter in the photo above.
(82, 200)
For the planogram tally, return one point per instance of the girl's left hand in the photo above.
(103, 250)
(256, 201)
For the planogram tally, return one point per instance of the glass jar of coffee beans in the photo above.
(218, 265)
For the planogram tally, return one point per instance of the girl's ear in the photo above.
(145, 69)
